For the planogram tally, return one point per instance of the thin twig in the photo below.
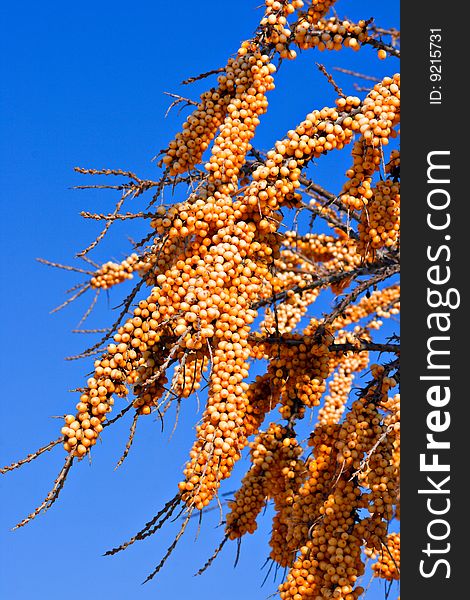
(71, 299)
(159, 372)
(213, 557)
(89, 309)
(91, 262)
(106, 227)
(43, 261)
(171, 548)
(100, 330)
(179, 100)
(330, 79)
(379, 45)
(32, 456)
(52, 495)
(331, 218)
(129, 441)
(328, 280)
(356, 74)
(203, 76)
(118, 416)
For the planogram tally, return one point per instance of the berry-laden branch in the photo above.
(229, 277)
(340, 347)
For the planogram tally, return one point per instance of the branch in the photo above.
(329, 196)
(52, 495)
(382, 46)
(332, 218)
(360, 346)
(385, 273)
(330, 79)
(331, 279)
(203, 76)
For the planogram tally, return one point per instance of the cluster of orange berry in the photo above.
(222, 317)
(359, 431)
(284, 7)
(197, 294)
(236, 103)
(392, 404)
(380, 112)
(329, 565)
(321, 131)
(209, 284)
(149, 380)
(287, 475)
(271, 185)
(317, 247)
(221, 435)
(261, 398)
(130, 360)
(289, 313)
(251, 495)
(321, 469)
(379, 472)
(179, 222)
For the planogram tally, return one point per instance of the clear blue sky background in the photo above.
(83, 85)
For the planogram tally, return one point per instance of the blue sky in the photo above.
(83, 86)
